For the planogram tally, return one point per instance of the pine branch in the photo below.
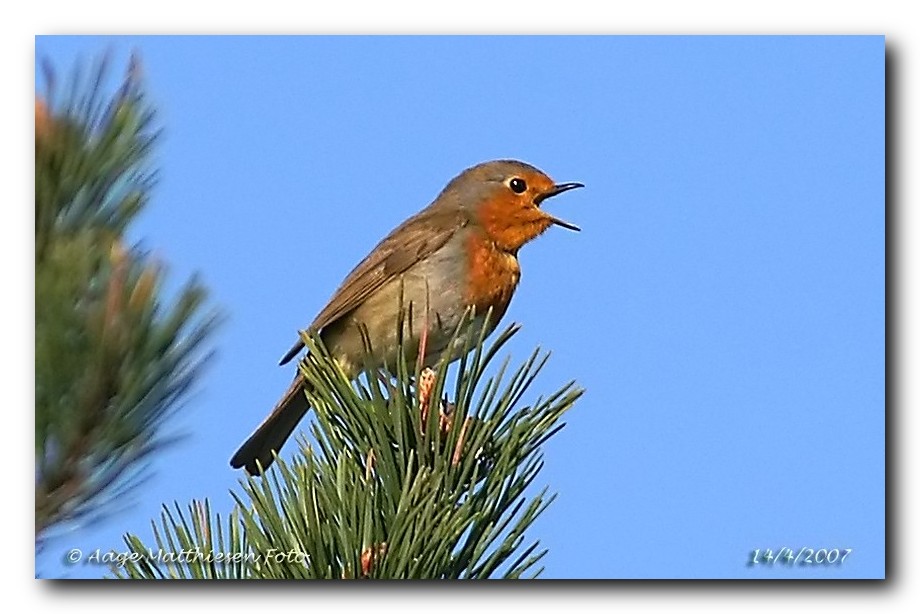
(91, 156)
(112, 361)
(382, 493)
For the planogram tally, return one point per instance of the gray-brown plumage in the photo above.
(459, 253)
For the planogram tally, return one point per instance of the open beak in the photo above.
(555, 191)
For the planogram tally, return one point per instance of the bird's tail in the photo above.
(274, 430)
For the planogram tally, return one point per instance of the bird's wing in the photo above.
(412, 241)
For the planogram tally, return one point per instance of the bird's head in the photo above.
(504, 198)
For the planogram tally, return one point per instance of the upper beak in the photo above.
(557, 189)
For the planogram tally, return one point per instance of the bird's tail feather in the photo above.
(274, 431)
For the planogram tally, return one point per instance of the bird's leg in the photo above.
(426, 381)
(425, 386)
(426, 378)
(445, 415)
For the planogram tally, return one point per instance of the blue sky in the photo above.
(723, 305)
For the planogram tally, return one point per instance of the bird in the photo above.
(456, 258)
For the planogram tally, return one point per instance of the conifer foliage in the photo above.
(393, 486)
(112, 357)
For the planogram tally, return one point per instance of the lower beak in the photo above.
(563, 223)
(555, 191)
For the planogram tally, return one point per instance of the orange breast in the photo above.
(493, 276)
(510, 224)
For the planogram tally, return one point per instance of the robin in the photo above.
(457, 256)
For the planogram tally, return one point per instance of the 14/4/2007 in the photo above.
(799, 556)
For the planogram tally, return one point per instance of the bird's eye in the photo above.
(518, 185)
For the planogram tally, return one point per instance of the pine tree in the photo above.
(112, 358)
(387, 489)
